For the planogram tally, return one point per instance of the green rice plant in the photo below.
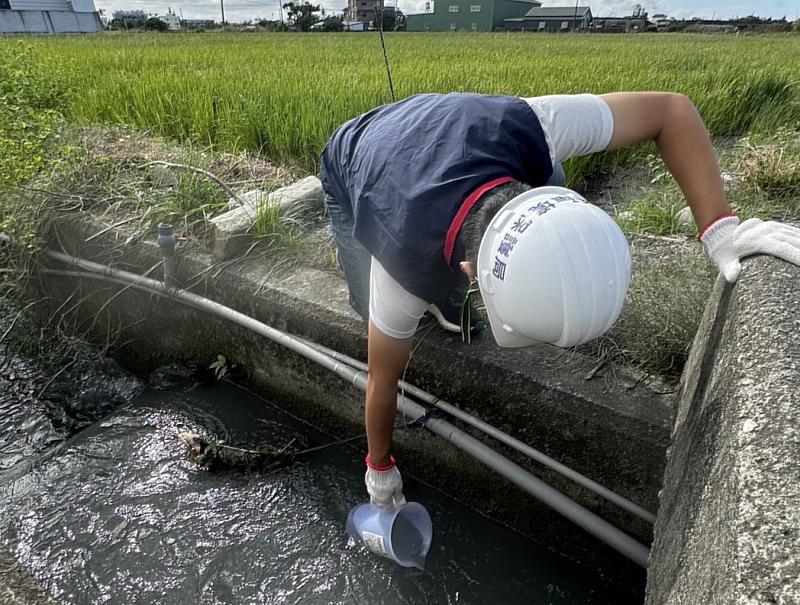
(282, 95)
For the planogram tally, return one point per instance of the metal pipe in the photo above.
(598, 527)
(166, 241)
(505, 438)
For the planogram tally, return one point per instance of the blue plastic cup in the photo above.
(403, 534)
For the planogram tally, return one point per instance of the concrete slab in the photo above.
(728, 529)
(230, 232)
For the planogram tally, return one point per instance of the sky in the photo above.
(241, 10)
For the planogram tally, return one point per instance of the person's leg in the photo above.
(353, 258)
(558, 178)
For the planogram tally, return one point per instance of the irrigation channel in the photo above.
(101, 504)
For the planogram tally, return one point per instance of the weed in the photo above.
(656, 213)
(221, 367)
(188, 205)
(773, 168)
(663, 310)
(277, 229)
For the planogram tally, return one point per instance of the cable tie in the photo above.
(418, 423)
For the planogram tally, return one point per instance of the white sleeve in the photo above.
(393, 309)
(573, 124)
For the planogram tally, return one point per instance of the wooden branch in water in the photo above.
(218, 456)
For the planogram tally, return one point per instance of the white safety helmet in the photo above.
(552, 268)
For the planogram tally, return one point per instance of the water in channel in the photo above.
(117, 513)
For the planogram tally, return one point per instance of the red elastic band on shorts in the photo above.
(714, 222)
(381, 469)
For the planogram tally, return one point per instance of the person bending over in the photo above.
(430, 192)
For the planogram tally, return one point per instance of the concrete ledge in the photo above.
(231, 231)
(728, 529)
(608, 425)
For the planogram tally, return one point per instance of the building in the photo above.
(49, 17)
(623, 25)
(469, 15)
(364, 11)
(198, 23)
(172, 20)
(636, 23)
(552, 19)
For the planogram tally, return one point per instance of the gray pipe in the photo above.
(505, 438)
(598, 527)
(167, 241)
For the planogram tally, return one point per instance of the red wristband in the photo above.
(381, 469)
(702, 231)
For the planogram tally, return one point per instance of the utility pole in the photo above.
(222, 6)
(575, 21)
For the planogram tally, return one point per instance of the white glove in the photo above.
(384, 485)
(727, 242)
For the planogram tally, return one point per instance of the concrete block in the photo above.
(728, 528)
(230, 232)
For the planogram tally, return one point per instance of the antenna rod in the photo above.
(379, 19)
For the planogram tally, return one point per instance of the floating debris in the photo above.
(218, 456)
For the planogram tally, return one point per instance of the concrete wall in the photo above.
(728, 529)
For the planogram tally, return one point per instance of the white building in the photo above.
(172, 20)
(49, 17)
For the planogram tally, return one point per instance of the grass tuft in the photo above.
(773, 169)
(663, 310)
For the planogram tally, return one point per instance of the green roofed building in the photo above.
(469, 15)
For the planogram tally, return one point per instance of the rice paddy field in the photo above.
(84, 115)
(281, 95)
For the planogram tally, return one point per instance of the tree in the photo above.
(156, 24)
(332, 24)
(388, 20)
(270, 26)
(302, 16)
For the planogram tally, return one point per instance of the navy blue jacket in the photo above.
(409, 172)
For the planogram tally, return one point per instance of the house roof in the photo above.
(556, 12)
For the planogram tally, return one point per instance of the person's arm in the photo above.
(394, 317)
(672, 121)
(387, 360)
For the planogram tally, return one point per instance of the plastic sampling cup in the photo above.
(403, 534)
